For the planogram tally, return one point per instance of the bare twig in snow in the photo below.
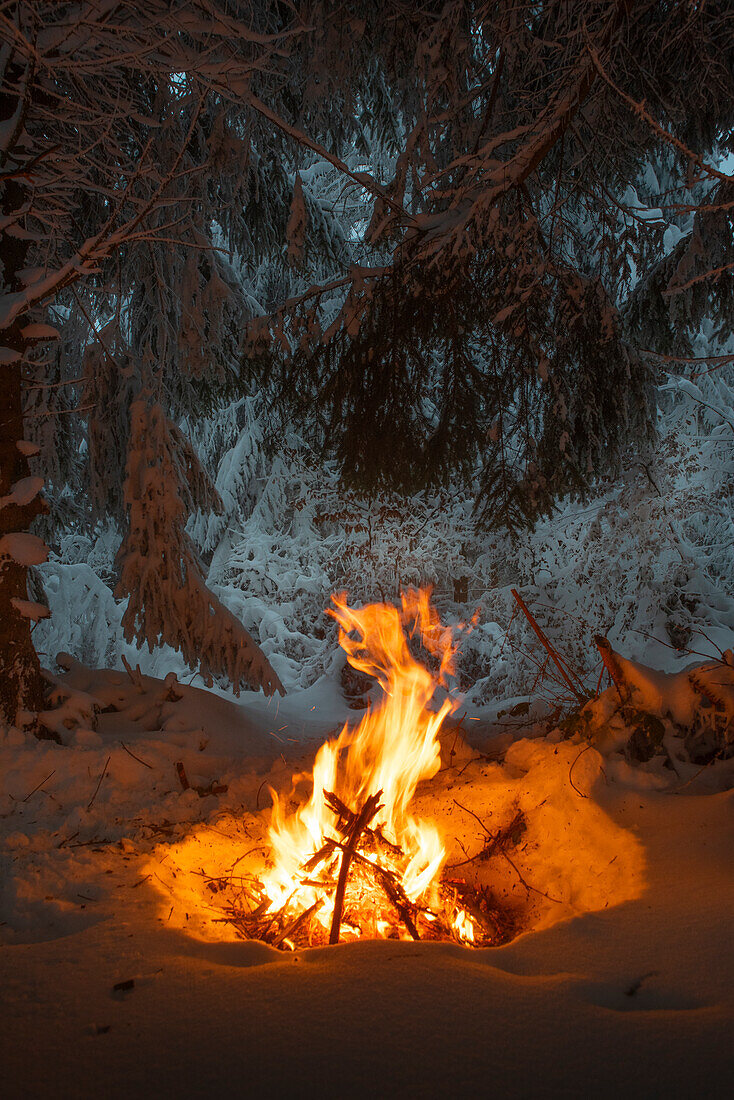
(130, 753)
(99, 783)
(39, 785)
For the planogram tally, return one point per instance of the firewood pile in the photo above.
(357, 876)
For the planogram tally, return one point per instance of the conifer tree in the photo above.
(116, 144)
(485, 321)
(140, 147)
(168, 599)
(495, 328)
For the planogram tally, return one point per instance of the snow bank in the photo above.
(116, 981)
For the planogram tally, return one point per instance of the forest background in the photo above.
(299, 301)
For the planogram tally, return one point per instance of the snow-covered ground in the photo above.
(622, 983)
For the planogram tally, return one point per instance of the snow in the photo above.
(29, 609)
(38, 331)
(27, 448)
(671, 236)
(661, 693)
(23, 492)
(622, 986)
(23, 548)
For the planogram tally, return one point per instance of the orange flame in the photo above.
(393, 748)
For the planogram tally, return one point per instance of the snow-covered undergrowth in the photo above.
(649, 561)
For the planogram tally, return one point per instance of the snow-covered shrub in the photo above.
(306, 537)
(85, 617)
(685, 716)
(86, 620)
(649, 562)
(651, 555)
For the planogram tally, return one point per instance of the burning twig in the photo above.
(345, 820)
(363, 818)
(300, 919)
(390, 884)
(318, 857)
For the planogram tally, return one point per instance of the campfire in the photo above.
(353, 862)
(362, 847)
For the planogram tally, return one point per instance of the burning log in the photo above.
(302, 918)
(362, 819)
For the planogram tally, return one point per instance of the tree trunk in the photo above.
(21, 683)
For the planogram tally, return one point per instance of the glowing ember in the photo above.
(354, 847)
